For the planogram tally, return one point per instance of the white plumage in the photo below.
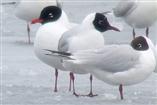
(28, 10)
(137, 13)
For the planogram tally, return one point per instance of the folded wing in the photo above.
(113, 58)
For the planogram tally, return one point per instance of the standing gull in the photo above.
(137, 13)
(54, 23)
(87, 35)
(115, 64)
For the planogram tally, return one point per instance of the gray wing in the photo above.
(64, 40)
(113, 58)
(123, 7)
(63, 45)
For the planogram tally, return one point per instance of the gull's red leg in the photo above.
(121, 91)
(56, 79)
(28, 31)
(73, 81)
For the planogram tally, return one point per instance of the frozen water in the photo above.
(27, 81)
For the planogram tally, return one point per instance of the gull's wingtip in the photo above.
(8, 3)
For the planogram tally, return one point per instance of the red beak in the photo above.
(34, 21)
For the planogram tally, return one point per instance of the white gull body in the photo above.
(47, 37)
(116, 64)
(87, 35)
(81, 37)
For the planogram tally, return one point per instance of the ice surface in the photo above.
(28, 81)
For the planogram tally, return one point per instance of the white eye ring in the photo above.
(100, 21)
(51, 15)
(139, 45)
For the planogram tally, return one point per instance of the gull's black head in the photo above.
(48, 14)
(140, 44)
(101, 23)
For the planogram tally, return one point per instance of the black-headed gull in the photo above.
(54, 23)
(28, 10)
(87, 35)
(115, 64)
(137, 13)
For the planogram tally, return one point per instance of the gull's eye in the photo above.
(50, 15)
(139, 45)
(100, 22)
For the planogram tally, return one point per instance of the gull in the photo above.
(54, 23)
(137, 13)
(124, 64)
